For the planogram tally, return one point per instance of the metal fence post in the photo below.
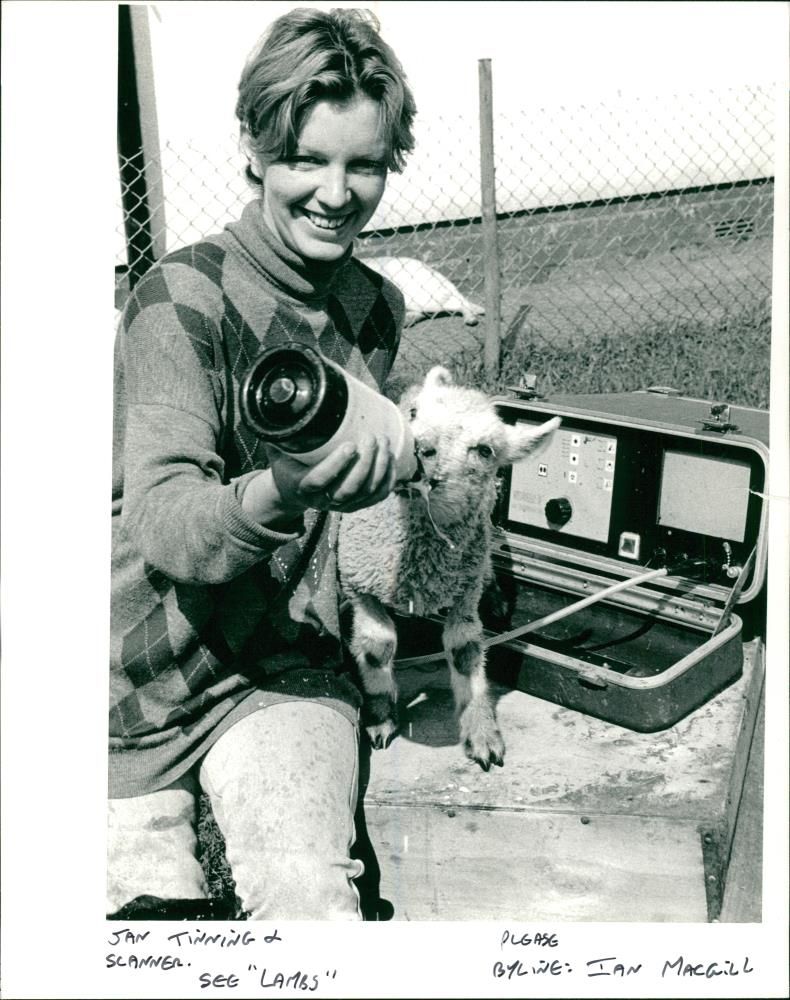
(138, 144)
(488, 213)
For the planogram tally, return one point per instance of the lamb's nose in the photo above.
(419, 471)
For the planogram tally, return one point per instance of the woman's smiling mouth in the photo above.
(326, 221)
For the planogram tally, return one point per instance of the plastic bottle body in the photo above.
(307, 405)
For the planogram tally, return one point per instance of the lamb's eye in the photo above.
(428, 452)
(484, 450)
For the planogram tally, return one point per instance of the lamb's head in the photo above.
(461, 443)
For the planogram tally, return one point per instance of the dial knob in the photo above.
(558, 511)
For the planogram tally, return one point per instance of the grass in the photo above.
(727, 359)
(211, 852)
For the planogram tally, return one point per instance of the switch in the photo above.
(630, 544)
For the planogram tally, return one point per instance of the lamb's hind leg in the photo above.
(373, 644)
(463, 643)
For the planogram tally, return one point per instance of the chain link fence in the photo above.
(612, 218)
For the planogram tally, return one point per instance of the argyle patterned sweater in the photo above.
(214, 615)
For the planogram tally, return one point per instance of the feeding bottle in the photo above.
(295, 398)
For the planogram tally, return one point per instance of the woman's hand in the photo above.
(348, 479)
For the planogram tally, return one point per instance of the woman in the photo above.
(227, 669)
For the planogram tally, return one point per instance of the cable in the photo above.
(555, 616)
(585, 602)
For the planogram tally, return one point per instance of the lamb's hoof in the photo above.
(486, 750)
(380, 719)
(382, 733)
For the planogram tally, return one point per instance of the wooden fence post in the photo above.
(488, 212)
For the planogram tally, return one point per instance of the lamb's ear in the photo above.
(438, 377)
(524, 438)
(408, 401)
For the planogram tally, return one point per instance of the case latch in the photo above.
(719, 419)
(590, 679)
(663, 390)
(527, 388)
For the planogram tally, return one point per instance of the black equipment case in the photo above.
(630, 483)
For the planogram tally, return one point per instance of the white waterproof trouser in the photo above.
(283, 786)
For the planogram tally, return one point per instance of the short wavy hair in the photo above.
(310, 55)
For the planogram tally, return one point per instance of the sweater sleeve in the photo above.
(181, 515)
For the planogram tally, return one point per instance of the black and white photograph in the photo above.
(395, 513)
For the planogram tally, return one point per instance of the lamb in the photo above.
(425, 291)
(427, 548)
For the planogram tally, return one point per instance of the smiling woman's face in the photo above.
(319, 199)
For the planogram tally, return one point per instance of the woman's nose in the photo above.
(334, 190)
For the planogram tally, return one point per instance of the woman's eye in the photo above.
(302, 161)
(483, 450)
(368, 167)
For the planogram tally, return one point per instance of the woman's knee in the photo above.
(299, 886)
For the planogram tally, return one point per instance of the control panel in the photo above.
(568, 486)
(641, 495)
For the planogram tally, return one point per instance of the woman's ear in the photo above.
(252, 157)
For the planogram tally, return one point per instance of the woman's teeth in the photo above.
(323, 222)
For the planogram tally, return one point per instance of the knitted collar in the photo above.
(301, 279)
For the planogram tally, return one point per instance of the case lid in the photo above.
(663, 407)
(645, 479)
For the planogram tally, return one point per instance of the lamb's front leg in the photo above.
(463, 644)
(373, 644)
